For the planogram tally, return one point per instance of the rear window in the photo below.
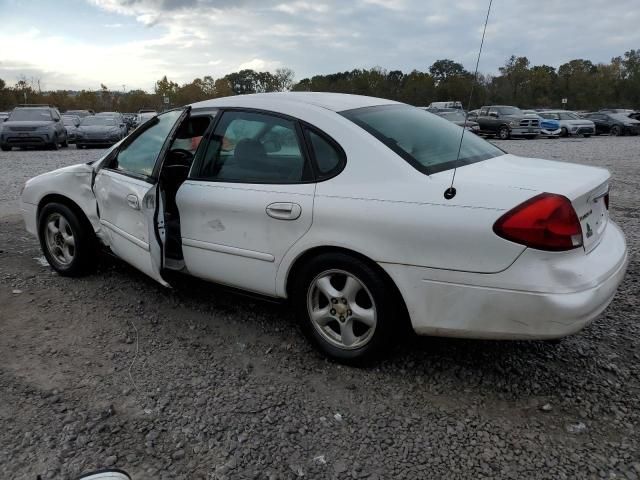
(426, 141)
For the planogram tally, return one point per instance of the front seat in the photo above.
(250, 157)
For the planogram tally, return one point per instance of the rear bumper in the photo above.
(541, 295)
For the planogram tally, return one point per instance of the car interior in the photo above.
(175, 171)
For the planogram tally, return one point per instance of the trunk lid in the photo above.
(584, 186)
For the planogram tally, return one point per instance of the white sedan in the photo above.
(336, 202)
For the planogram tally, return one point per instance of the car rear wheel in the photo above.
(504, 133)
(66, 240)
(5, 148)
(564, 132)
(616, 131)
(346, 307)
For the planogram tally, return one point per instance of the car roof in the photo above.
(331, 101)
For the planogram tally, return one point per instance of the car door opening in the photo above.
(175, 170)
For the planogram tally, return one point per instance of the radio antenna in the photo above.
(450, 192)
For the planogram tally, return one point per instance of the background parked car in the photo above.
(79, 113)
(144, 117)
(614, 123)
(549, 127)
(33, 126)
(71, 123)
(458, 117)
(570, 123)
(505, 122)
(100, 130)
(119, 119)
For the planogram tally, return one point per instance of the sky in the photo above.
(127, 44)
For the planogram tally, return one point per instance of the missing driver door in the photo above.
(126, 191)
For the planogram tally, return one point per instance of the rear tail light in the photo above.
(546, 222)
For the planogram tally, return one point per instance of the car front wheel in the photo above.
(346, 307)
(504, 133)
(67, 242)
(616, 131)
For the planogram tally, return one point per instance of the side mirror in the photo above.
(108, 474)
(56, 119)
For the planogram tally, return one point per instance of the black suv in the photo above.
(33, 126)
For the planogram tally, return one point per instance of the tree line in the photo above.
(585, 85)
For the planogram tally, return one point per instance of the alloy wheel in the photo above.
(342, 309)
(60, 240)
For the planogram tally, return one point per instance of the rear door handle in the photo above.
(284, 210)
(132, 201)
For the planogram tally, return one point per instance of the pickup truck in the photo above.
(505, 122)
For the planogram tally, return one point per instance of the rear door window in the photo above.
(252, 147)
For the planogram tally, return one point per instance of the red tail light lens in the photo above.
(546, 222)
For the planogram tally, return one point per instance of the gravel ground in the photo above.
(197, 383)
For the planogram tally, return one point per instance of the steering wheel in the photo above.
(182, 156)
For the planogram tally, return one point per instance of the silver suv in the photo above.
(570, 123)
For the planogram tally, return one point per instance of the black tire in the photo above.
(504, 133)
(84, 250)
(615, 131)
(389, 310)
(65, 144)
(79, 146)
(5, 148)
(54, 144)
(586, 135)
(564, 132)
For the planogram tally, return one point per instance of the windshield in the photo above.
(550, 116)
(427, 142)
(98, 120)
(30, 115)
(457, 116)
(509, 111)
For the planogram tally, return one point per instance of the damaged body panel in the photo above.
(333, 201)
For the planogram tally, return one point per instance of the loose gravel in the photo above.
(197, 383)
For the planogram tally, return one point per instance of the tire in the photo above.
(564, 132)
(340, 333)
(5, 148)
(54, 145)
(504, 133)
(615, 131)
(79, 146)
(65, 144)
(67, 240)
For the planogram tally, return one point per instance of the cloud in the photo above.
(185, 39)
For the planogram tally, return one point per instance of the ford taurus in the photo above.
(336, 203)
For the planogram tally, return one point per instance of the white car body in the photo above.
(573, 126)
(455, 275)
